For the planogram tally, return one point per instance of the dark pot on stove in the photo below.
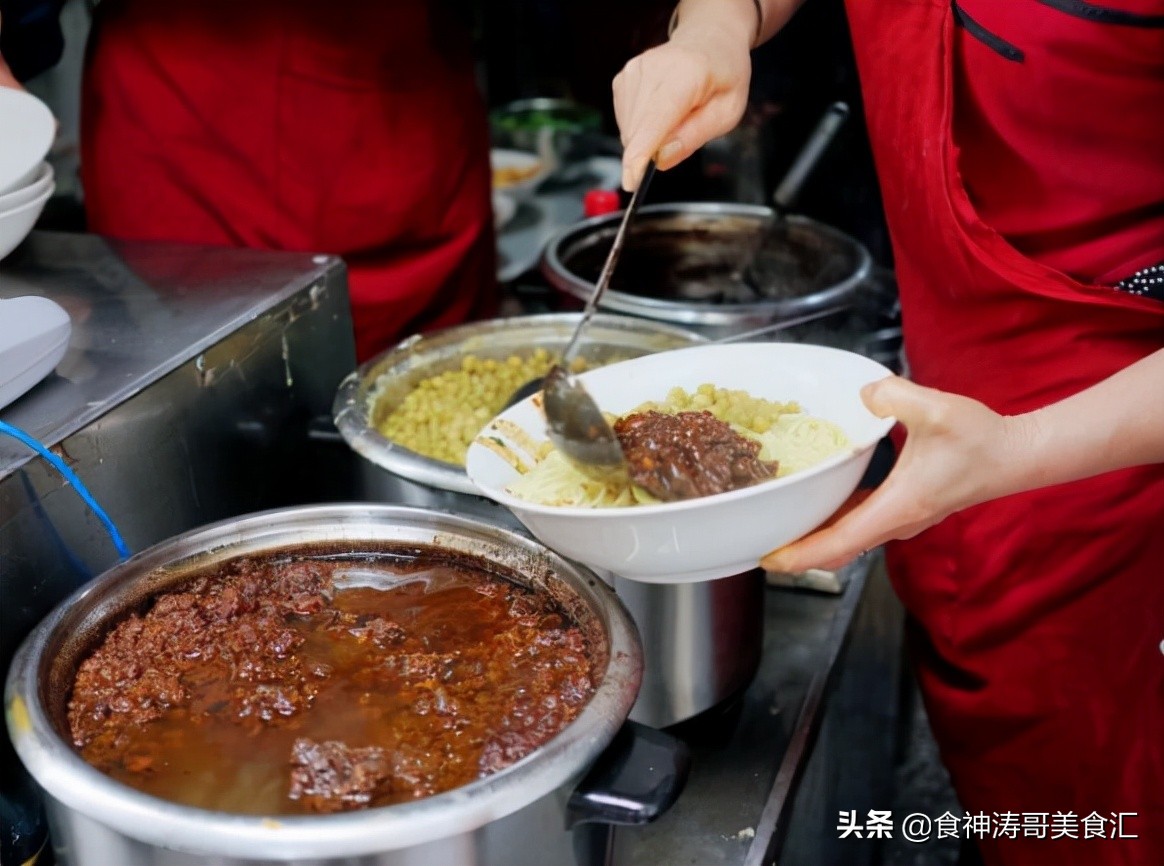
(719, 268)
(599, 768)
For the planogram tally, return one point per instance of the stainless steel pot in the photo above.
(96, 821)
(683, 264)
(702, 641)
(378, 386)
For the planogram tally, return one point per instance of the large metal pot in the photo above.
(684, 263)
(702, 641)
(96, 821)
(377, 387)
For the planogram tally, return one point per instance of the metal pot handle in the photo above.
(637, 779)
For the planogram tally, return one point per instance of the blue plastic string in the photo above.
(70, 476)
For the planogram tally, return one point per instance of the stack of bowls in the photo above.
(26, 180)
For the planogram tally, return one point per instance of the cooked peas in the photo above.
(733, 406)
(442, 414)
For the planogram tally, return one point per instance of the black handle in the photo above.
(637, 779)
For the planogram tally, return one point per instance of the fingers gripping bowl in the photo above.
(711, 536)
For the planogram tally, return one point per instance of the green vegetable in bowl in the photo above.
(527, 116)
(538, 119)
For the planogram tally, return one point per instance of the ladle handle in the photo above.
(773, 327)
(608, 268)
(826, 129)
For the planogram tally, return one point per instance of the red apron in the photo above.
(344, 127)
(1040, 617)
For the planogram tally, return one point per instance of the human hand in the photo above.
(7, 79)
(671, 100)
(958, 453)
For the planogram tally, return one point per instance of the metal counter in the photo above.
(187, 390)
(764, 782)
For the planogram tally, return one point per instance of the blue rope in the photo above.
(71, 477)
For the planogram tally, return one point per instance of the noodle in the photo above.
(785, 432)
(799, 441)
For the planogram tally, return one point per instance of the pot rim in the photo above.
(351, 407)
(837, 296)
(65, 776)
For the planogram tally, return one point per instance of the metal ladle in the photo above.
(574, 422)
(746, 277)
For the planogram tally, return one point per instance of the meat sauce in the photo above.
(689, 454)
(302, 685)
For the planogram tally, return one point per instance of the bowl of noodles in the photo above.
(798, 406)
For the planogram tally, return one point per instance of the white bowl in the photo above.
(713, 536)
(42, 180)
(15, 224)
(501, 158)
(27, 129)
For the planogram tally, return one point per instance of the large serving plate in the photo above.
(714, 536)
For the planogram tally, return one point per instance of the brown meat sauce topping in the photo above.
(689, 454)
(264, 688)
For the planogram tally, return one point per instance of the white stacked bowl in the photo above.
(26, 180)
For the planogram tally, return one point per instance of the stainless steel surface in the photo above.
(94, 817)
(377, 387)
(710, 235)
(183, 398)
(745, 751)
(701, 643)
(140, 311)
(574, 422)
